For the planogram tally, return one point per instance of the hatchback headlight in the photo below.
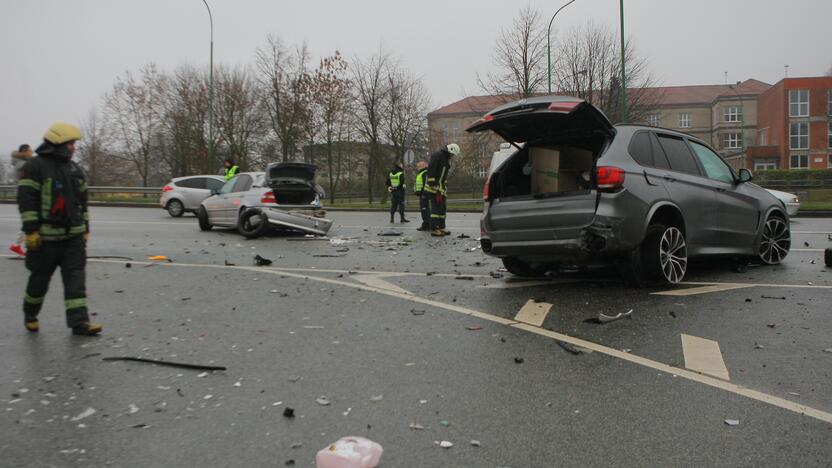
(795, 200)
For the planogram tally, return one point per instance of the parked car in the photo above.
(790, 200)
(184, 194)
(285, 196)
(581, 191)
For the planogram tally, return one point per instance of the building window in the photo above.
(799, 135)
(731, 140)
(763, 136)
(829, 102)
(455, 131)
(732, 114)
(765, 166)
(799, 161)
(799, 103)
(829, 135)
(653, 120)
(829, 161)
(684, 120)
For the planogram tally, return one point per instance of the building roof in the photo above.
(665, 95)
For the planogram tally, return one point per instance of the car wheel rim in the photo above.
(776, 241)
(252, 222)
(175, 208)
(673, 255)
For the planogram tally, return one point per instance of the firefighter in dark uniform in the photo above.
(396, 187)
(438, 168)
(419, 190)
(52, 199)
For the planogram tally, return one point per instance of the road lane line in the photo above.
(701, 289)
(764, 285)
(377, 282)
(533, 313)
(703, 355)
(601, 349)
(94, 221)
(806, 250)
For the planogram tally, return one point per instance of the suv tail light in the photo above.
(167, 188)
(565, 107)
(609, 178)
(268, 197)
(486, 189)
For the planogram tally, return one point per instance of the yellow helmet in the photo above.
(453, 149)
(62, 132)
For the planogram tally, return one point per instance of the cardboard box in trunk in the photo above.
(558, 170)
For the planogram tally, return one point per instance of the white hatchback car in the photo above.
(789, 199)
(184, 194)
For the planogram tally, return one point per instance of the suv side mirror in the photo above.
(745, 176)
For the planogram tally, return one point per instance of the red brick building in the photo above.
(794, 126)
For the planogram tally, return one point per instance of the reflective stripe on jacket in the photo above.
(396, 180)
(231, 172)
(420, 181)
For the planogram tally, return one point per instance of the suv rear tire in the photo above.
(249, 230)
(521, 268)
(662, 257)
(202, 217)
(175, 208)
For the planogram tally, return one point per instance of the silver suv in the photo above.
(581, 191)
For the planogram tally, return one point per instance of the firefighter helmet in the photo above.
(62, 132)
(453, 149)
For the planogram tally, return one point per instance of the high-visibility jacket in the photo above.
(438, 169)
(396, 180)
(420, 181)
(52, 195)
(230, 172)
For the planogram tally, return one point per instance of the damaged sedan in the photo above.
(284, 197)
(579, 191)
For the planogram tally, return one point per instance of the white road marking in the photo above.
(703, 355)
(533, 313)
(805, 250)
(811, 232)
(702, 289)
(95, 221)
(377, 281)
(764, 285)
(601, 349)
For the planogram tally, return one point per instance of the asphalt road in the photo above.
(412, 341)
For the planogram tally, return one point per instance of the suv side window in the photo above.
(641, 150)
(678, 154)
(213, 184)
(243, 183)
(659, 156)
(715, 167)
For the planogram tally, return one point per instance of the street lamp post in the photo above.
(623, 65)
(549, 46)
(210, 87)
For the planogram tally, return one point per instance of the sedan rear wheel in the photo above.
(202, 217)
(253, 223)
(176, 208)
(776, 240)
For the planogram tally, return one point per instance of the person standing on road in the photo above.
(231, 169)
(419, 190)
(19, 158)
(52, 199)
(438, 169)
(396, 187)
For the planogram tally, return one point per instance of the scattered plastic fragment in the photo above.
(603, 318)
(463, 236)
(827, 350)
(288, 412)
(771, 325)
(227, 263)
(390, 234)
(475, 443)
(782, 298)
(793, 393)
(475, 328)
(377, 398)
(572, 349)
(519, 360)
(157, 257)
(133, 408)
(732, 422)
(444, 423)
(182, 365)
(467, 278)
(417, 312)
(416, 427)
(296, 445)
(350, 452)
(323, 400)
(445, 444)
(260, 261)
(84, 414)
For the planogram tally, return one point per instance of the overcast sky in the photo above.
(60, 57)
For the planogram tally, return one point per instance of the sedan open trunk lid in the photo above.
(545, 118)
(290, 173)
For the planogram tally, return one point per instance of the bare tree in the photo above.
(282, 76)
(331, 105)
(184, 139)
(371, 90)
(519, 58)
(239, 119)
(588, 66)
(92, 152)
(132, 113)
(405, 111)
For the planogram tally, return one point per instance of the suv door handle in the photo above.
(720, 189)
(669, 178)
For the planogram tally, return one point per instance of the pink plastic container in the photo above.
(350, 452)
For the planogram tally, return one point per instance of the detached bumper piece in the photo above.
(312, 221)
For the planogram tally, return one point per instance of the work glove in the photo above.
(33, 240)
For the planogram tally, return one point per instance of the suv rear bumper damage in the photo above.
(600, 240)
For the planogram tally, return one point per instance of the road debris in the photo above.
(827, 350)
(444, 444)
(463, 236)
(416, 427)
(572, 349)
(323, 400)
(757, 345)
(603, 318)
(157, 258)
(771, 325)
(350, 452)
(260, 261)
(377, 398)
(732, 422)
(390, 234)
(417, 311)
(329, 255)
(475, 443)
(227, 263)
(84, 414)
(182, 365)
(519, 360)
(467, 278)
(474, 328)
(288, 412)
(782, 298)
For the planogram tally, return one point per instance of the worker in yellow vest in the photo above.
(419, 190)
(396, 187)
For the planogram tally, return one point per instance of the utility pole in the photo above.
(210, 88)
(549, 46)
(623, 67)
